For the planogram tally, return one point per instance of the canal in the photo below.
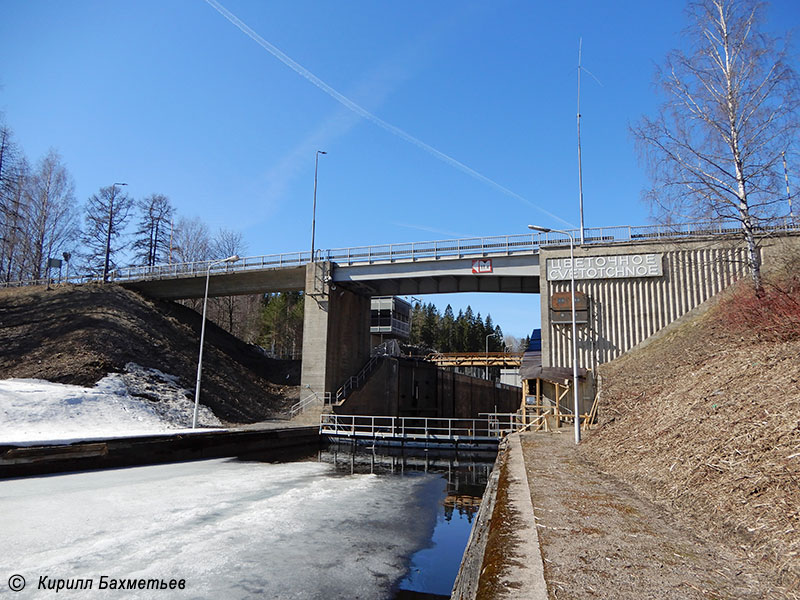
(343, 523)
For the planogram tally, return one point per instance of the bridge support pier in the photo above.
(336, 342)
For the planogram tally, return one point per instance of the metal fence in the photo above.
(488, 427)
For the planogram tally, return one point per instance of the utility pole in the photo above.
(580, 165)
(314, 210)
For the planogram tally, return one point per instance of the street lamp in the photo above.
(230, 259)
(574, 323)
(314, 210)
(487, 354)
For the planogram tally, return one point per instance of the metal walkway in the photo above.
(488, 429)
(476, 359)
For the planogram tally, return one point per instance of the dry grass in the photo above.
(707, 419)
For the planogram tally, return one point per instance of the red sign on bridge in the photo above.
(481, 266)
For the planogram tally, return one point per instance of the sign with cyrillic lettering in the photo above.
(619, 266)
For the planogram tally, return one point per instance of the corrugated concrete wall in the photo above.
(624, 312)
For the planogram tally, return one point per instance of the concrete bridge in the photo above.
(636, 280)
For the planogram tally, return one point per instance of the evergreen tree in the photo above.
(417, 317)
(281, 330)
(430, 325)
(446, 337)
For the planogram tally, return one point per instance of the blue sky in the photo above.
(170, 97)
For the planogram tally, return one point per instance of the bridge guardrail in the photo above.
(438, 249)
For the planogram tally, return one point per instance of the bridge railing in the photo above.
(437, 249)
(199, 268)
(466, 247)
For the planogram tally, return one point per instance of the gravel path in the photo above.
(599, 539)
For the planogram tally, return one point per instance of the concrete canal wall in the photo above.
(127, 452)
(503, 558)
(403, 387)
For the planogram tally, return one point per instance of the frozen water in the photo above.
(230, 529)
(138, 402)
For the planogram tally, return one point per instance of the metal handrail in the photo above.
(356, 381)
(300, 407)
(438, 249)
(491, 426)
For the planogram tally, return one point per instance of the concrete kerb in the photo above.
(524, 575)
(467, 581)
(527, 574)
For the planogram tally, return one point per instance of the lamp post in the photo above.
(230, 259)
(487, 355)
(314, 210)
(574, 324)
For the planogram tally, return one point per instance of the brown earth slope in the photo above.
(79, 334)
(706, 420)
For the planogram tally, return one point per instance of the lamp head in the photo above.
(537, 228)
(231, 259)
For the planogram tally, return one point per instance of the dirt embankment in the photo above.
(706, 420)
(80, 334)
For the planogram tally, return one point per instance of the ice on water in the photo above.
(231, 529)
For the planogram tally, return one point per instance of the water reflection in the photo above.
(432, 569)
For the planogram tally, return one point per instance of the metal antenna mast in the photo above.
(788, 192)
(580, 165)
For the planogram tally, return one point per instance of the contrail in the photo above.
(345, 101)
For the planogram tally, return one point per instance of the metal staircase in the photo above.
(388, 348)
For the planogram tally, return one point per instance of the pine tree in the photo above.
(445, 340)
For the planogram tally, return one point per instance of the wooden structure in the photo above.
(476, 359)
(547, 398)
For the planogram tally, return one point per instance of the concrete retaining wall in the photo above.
(412, 388)
(625, 312)
(468, 578)
(515, 569)
(127, 452)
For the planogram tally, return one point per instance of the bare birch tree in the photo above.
(107, 214)
(715, 149)
(153, 236)
(237, 314)
(191, 241)
(13, 236)
(51, 217)
(13, 176)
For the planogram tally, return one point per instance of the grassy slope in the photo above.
(707, 419)
(79, 334)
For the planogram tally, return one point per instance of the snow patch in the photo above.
(137, 402)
